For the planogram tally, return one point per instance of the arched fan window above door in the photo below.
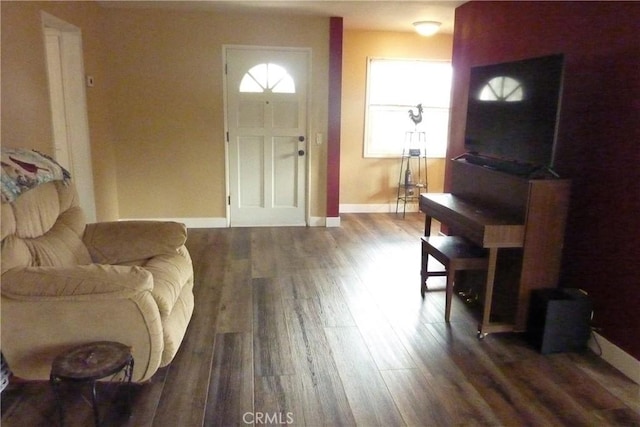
(267, 78)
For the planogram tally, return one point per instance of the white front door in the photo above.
(267, 144)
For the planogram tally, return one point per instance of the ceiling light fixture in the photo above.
(427, 28)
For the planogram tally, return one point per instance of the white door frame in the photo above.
(71, 140)
(307, 181)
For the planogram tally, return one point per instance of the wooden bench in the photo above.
(456, 254)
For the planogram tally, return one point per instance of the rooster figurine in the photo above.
(416, 118)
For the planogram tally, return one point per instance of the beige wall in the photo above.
(156, 110)
(167, 103)
(375, 180)
(26, 116)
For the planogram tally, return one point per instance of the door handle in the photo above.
(300, 152)
(301, 138)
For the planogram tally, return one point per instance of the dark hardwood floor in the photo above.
(326, 326)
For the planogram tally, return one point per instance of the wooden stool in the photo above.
(456, 254)
(89, 363)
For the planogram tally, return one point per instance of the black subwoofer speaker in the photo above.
(559, 320)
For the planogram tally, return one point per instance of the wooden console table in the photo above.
(499, 211)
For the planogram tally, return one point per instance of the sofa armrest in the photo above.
(82, 282)
(126, 241)
(47, 310)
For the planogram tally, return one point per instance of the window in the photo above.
(502, 89)
(267, 77)
(397, 86)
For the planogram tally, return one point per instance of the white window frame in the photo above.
(437, 134)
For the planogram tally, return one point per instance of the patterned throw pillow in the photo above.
(24, 169)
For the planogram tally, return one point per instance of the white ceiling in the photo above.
(378, 15)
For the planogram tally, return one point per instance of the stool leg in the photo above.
(55, 385)
(424, 260)
(128, 374)
(94, 399)
(449, 295)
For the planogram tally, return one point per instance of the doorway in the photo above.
(266, 120)
(65, 72)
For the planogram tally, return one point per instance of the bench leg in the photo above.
(424, 269)
(448, 295)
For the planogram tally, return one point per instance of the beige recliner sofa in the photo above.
(65, 282)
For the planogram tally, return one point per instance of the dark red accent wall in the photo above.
(335, 99)
(598, 143)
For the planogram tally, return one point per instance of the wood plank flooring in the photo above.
(326, 326)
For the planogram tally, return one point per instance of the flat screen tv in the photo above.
(513, 110)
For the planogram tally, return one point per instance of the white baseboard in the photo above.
(332, 221)
(189, 222)
(317, 221)
(616, 357)
(377, 208)
(314, 221)
(205, 222)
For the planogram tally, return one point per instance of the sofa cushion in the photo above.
(7, 222)
(170, 274)
(15, 254)
(175, 326)
(36, 211)
(111, 242)
(43, 227)
(60, 247)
